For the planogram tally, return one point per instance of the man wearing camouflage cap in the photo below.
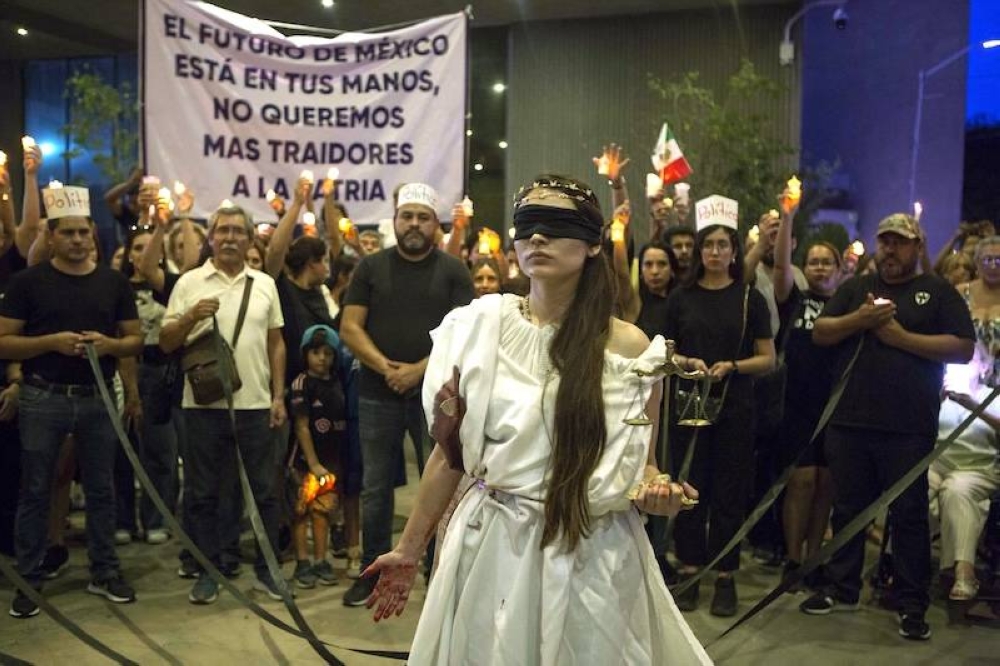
(909, 325)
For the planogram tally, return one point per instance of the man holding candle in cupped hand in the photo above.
(908, 325)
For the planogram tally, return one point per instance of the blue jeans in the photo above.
(210, 469)
(158, 448)
(383, 424)
(45, 420)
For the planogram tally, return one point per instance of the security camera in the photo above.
(840, 18)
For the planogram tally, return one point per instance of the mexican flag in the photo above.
(668, 159)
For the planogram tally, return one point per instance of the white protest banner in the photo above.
(233, 108)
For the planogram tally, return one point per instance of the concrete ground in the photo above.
(162, 627)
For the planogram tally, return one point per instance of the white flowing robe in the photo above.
(497, 597)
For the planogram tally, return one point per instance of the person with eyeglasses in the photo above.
(809, 494)
(215, 290)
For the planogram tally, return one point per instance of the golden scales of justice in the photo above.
(693, 412)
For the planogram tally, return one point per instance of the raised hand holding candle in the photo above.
(179, 188)
(344, 225)
(467, 206)
(3, 159)
(270, 196)
(792, 195)
(754, 233)
(484, 243)
(27, 142)
(307, 174)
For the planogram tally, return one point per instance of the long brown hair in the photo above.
(577, 353)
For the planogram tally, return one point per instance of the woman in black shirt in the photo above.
(657, 277)
(721, 327)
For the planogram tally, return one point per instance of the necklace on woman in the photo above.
(525, 309)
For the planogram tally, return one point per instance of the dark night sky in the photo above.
(983, 96)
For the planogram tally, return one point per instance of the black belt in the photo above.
(69, 390)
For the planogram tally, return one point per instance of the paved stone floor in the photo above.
(162, 627)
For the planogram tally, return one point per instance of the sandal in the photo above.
(964, 589)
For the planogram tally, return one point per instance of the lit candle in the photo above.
(467, 206)
(682, 192)
(270, 196)
(668, 202)
(54, 184)
(617, 231)
(152, 210)
(484, 243)
(794, 186)
(164, 194)
(3, 159)
(308, 175)
(494, 238)
(179, 188)
(308, 219)
(773, 213)
(226, 203)
(918, 210)
(510, 233)
(603, 165)
(857, 248)
(754, 233)
(333, 173)
(345, 225)
(654, 185)
(27, 142)
(882, 301)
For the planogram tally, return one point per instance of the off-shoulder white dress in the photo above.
(497, 598)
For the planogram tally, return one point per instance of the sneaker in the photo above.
(205, 591)
(688, 599)
(338, 542)
(266, 584)
(231, 569)
(360, 591)
(122, 537)
(22, 607)
(324, 571)
(724, 600)
(304, 575)
(912, 626)
(823, 603)
(157, 536)
(55, 559)
(113, 588)
(189, 568)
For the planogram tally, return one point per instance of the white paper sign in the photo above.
(717, 210)
(235, 109)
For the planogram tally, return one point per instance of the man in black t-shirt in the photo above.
(396, 297)
(50, 313)
(908, 326)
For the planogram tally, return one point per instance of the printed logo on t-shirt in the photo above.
(323, 426)
(317, 403)
(922, 298)
(810, 312)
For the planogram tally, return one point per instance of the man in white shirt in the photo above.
(216, 290)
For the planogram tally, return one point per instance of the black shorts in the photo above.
(795, 432)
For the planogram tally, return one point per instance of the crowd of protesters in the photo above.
(329, 324)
